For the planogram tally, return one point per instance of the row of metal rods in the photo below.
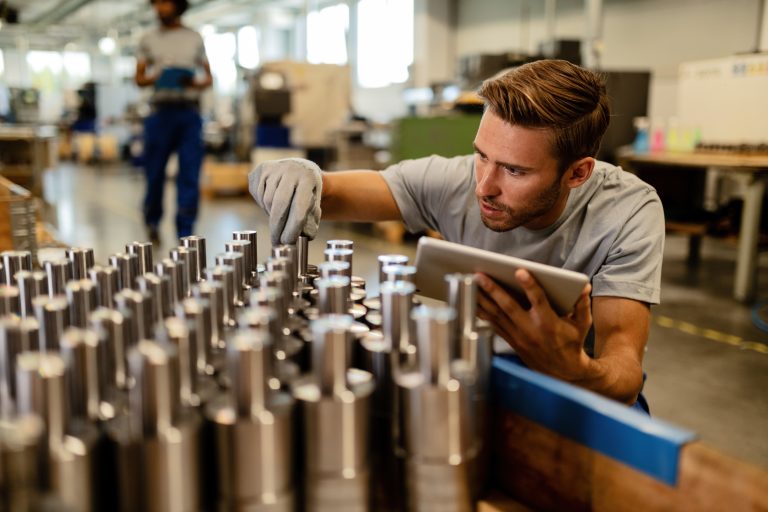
(178, 386)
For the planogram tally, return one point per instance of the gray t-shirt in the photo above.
(178, 47)
(612, 228)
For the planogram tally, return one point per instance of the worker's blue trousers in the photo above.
(169, 129)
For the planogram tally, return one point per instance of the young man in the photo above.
(533, 189)
(172, 60)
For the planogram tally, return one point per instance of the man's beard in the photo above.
(537, 207)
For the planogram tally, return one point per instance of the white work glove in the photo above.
(289, 191)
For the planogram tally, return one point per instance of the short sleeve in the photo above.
(632, 268)
(142, 51)
(201, 58)
(426, 188)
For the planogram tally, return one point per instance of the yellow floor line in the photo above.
(710, 334)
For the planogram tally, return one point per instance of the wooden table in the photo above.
(752, 172)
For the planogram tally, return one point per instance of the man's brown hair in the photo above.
(556, 95)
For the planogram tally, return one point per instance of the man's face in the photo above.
(165, 10)
(517, 178)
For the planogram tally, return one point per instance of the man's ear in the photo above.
(579, 172)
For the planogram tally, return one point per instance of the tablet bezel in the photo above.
(437, 258)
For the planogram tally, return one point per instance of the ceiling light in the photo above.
(107, 45)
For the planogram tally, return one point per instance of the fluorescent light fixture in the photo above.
(107, 45)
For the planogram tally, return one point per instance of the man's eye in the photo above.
(481, 156)
(513, 171)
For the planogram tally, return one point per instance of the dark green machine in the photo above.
(449, 135)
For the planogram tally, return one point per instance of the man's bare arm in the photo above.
(142, 78)
(358, 196)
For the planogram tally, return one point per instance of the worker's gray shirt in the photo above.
(612, 228)
(179, 47)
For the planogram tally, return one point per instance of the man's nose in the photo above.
(487, 184)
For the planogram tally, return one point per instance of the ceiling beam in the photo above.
(57, 13)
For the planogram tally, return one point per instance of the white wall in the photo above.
(637, 34)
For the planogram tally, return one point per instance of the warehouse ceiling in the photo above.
(55, 23)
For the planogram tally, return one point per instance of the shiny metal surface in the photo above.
(249, 264)
(333, 295)
(128, 267)
(114, 329)
(30, 285)
(340, 255)
(143, 251)
(53, 318)
(16, 336)
(137, 307)
(59, 272)
(108, 282)
(175, 272)
(159, 288)
(14, 261)
(197, 312)
(225, 276)
(20, 439)
(176, 332)
(399, 273)
(236, 261)
(85, 354)
(197, 243)
(82, 259)
(213, 292)
(83, 298)
(278, 279)
(10, 303)
(189, 258)
(389, 259)
(302, 255)
(254, 431)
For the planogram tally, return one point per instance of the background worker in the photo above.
(172, 60)
(533, 189)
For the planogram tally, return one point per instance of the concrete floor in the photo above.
(707, 363)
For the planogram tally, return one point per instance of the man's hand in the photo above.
(289, 191)
(545, 342)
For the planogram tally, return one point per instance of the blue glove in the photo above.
(289, 191)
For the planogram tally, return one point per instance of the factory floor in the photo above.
(707, 363)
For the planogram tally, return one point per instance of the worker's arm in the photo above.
(207, 79)
(359, 196)
(141, 77)
(554, 345)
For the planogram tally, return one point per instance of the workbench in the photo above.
(25, 152)
(751, 172)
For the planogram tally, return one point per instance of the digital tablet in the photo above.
(437, 258)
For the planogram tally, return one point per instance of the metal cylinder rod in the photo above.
(128, 267)
(302, 255)
(396, 326)
(41, 390)
(333, 295)
(159, 288)
(197, 312)
(83, 298)
(243, 247)
(340, 244)
(389, 259)
(143, 251)
(333, 268)
(10, 301)
(400, 273)
(249, 360)
(434, 332)
(30, 285)
(114, 330)
(14, 261)
(108, 283)
(273, 298)
(16, 336)
(236, 261)
(82, 260)
(279, 280)
(176, 331)
(340, 255)
(213, 292)
(59, 272)
(197, 243)
(53, 316)
(290, 253)
(462, 297)
(225, 275)
(251, 236)
(139, 307)
(175, 272)
(189, 257)
(330, 353)
(83, 353)
(286, 266)
(152, 397)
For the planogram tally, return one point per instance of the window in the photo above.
(2, 62)
(327, 35)
(248, 47)
(221, 49)
(77, 66)
(385, 41)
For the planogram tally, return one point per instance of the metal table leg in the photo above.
(746, 261)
